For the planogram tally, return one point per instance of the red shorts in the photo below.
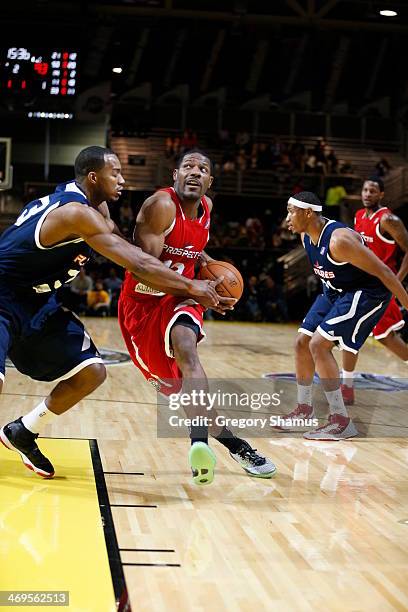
(146, 324)
(390, 321)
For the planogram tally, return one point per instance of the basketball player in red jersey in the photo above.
(384, 233)
(162, 331)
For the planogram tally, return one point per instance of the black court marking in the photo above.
(132, 506)
(126, 473)
(153, 564)
(115, 563)
(161, 550)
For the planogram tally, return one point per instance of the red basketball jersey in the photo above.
(369, 228)
(185, 240)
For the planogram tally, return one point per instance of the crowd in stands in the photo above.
(176, 145)
(241, 152)
(94, 291)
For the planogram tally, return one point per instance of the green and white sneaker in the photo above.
(202, 461)
(252, 462)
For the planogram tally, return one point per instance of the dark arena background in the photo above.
(284, 96)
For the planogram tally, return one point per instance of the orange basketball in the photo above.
(231, 286)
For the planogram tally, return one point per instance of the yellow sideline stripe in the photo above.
(51, 530)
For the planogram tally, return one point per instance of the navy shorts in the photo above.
(348, 319)
(57, 349)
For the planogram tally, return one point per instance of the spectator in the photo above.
(242, 140)
(255, 230)
(169, 151)
(254, 156)
(251, 304)
(382, 168)
(189, 140)
(276, 150)
(113, 284)
(265, 159)
(345, 167)
(335, 195)
(272, 300)
(311, 163)
(79, 288)
(126, 218)
(242, 162)
(330, 160)
(98, 301)
(228, 163)
(297, 155)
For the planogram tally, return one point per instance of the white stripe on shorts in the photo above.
(362, 319)
(350, 314)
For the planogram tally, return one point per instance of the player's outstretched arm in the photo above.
(392, 225)
(75, 220)
(347, 246)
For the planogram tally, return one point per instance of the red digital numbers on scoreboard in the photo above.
(41, 68)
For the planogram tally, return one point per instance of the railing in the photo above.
(267, 183)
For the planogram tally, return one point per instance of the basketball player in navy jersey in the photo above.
(45, 248)
(357, 288)
(162, 331)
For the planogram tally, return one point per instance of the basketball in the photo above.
(231, 286)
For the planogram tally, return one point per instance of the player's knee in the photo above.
(98, 374)
(91, 377)
(317, 345)
(302, 342)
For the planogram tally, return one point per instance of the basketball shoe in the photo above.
(252, 462)
(338, 427)
(202, 461)
(302, 412)
(16, 437)
(348, 395)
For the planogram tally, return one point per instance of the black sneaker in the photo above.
(252, 462)
(15, 436)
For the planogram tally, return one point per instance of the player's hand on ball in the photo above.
(203, 260)
(205, 293)
(224, 305)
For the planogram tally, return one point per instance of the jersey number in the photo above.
(177, 267)
(27, 214)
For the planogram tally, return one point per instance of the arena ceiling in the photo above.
(337, 14)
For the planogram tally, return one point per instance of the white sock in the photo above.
(304, 394)
(348, 378)
(38, 417)
(336, 402)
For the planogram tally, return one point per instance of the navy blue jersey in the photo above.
(337, 277)
(27, 265)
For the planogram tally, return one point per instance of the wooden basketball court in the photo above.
(329, 531)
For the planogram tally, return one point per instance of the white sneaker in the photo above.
(252, 462)
(339, 427)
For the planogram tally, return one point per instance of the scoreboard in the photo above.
(35, 72)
